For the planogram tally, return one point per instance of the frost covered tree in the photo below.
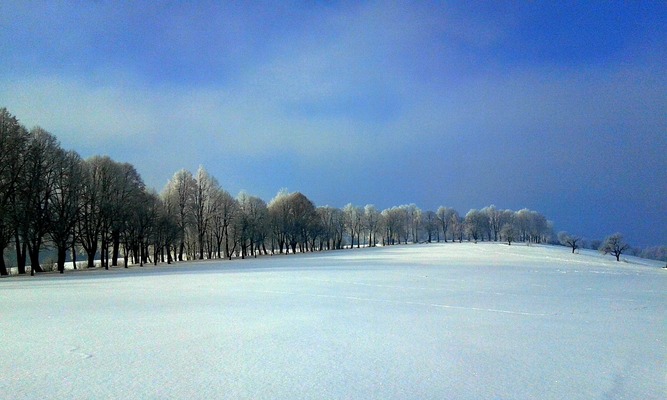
(615, 245)
(251, 224)
(495, 221)
(371, 223)
(476, 224)
(509, 232)
(226, 211)
(457, 227)
(444, 215)
(332, 222)
(354, 218)
(568, 240)
(203, 206)
(293, 220)
(431, 226)
(179, 192)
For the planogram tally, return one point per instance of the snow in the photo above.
(464, 321)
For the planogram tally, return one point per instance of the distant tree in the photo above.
(279, 219)
(569, 240)
(180, 194)
(332, 221)
(417, 222)
(226, 211)
(614, 245)
(457, 227)
(444, 215)
(304, 222)
(203, 206)
(594, 244)
(354, 218)
(509, 232)
(371, 221)
(655, 253)
(431, 226)
(494, 221)
(251, 223)
(293, 220)
(476, 224)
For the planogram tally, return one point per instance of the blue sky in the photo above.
(560, 108)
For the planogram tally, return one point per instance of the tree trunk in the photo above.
(116, 244)
(3, 266)
(62, 255)
(91, 256)
(33, 251)
(73, 255)
(20, 254)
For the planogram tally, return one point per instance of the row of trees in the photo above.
(52, 198)
(613, 244)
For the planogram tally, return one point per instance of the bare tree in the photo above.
(279, 215)
(293, 220)
(444, 215)
(615, 245)
(509, 232)
(179, 193)
(65, 204)
(332, 222)
(226, 211)
(569, 240)
(495, 221)
(371, 223)
(476, 224)
(251, 223)
(13, 143)
(431, 226)
(203, 205)
(353, 222)
(37, 187)
(457, 227)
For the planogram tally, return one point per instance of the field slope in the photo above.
(464, 321)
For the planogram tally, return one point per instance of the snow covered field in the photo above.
(439, 321)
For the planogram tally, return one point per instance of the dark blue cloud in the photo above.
(555, 107)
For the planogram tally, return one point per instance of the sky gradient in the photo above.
(557, 108)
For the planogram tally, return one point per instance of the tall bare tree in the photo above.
(13, 144)
(444, 215)
(203, 206)
(37, 187)
(65, 203)
(371, 223)
(179, 193)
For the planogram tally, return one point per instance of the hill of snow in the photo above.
(464, 321)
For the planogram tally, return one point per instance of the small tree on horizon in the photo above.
(570, 241)
(614, 245)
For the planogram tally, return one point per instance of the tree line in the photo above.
(101, 209)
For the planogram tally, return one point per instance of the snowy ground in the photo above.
(457, 321)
